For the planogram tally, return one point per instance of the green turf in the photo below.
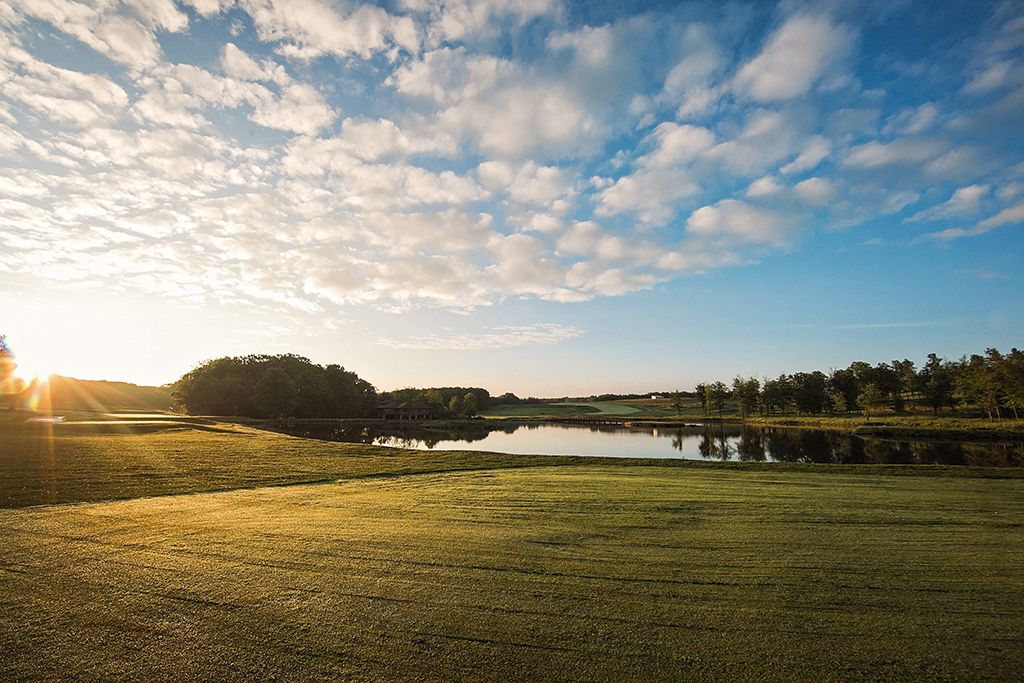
(539, 410)
(594, 408)
(588, 570)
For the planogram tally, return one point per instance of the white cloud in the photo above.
(662, 176)
(523, 264)
(1009, 216)
(991, 78)
(651, 193)
(814, 152)
(124, 39)
(965, 201)
(676, 144)
(527, 182)
(63, 95)
(912, 121)
(307, 29)
(814, 191)
(766, 186)
(209, 8)
(238, 64)
(517, 120)
(766, 138)
(455, 20)
(731, 220)
(174, 93)
(299, 109)
(901, 152)
(502, 337)
(375, 139)
(794, 58)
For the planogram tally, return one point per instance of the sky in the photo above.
(543, 197)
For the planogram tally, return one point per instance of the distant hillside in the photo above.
(67, 393)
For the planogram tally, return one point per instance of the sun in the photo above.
(30, 369)
(28, 375)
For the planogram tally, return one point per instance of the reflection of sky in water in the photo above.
(551, 440)
(729, 443)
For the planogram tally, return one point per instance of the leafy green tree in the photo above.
(704, 394)
(871, 399)
(747, 393)
(1013, 381)
(979, 382)
(776, 394)
(844, 382)
(810, 391)
(469, 406)
(837, 402)
(276, 394)
(936, 382)
(677, 402)
(908, 385)
(455, 406)
(719, 395)
(232, 386)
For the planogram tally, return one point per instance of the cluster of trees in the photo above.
(446, 401)
(273, 387)
(992, 382)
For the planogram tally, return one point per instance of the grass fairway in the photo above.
(595, 408)
(589, 570)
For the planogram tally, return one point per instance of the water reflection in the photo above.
(696, 442)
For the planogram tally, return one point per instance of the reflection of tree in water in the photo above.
(750, 447)
(714, 445)
(678, 439)
(783, 445)
(714, 442)
(815, 446)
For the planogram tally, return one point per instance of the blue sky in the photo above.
(532, 196)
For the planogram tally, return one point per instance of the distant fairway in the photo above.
(452, 566)
(562, 409)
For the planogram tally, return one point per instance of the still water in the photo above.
(695, 442)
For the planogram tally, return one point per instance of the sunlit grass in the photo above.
(590, 572)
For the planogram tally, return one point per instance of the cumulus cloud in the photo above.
(731, 220)
(901, 152)
(814, 152)
(1013, 215)
(527, 182)
(794, 59)
(814, 191)
(461, 20)
(239, 64)
(912, 120)
(662, 176)
(307, 29)
(128, 39)
(457, 154)
(965, 201)
(766, 138)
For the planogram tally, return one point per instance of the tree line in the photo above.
(992, 383)
(264, 386)
(445, 401)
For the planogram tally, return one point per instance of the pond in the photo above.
(693, 442)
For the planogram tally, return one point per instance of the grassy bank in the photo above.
(906, 426)
(83, 462)
(89, 462)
